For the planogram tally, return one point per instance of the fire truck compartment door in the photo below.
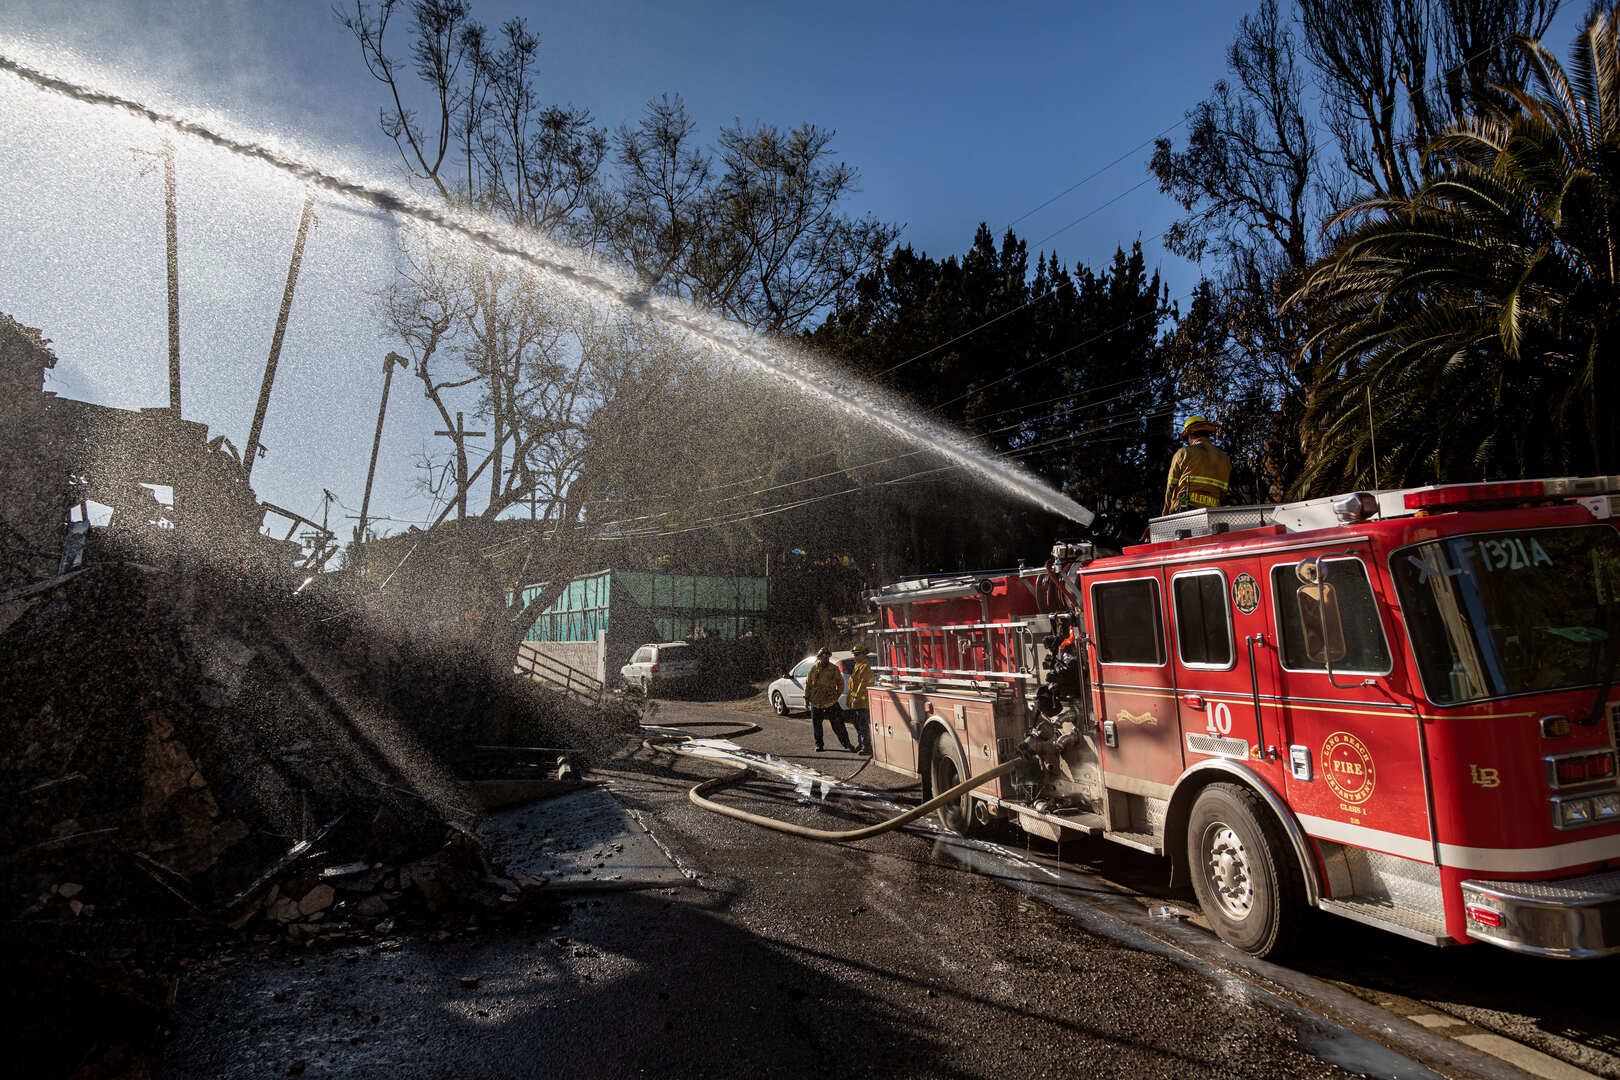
(1135, 687)
(896, 724)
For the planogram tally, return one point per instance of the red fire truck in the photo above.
(1394, 706)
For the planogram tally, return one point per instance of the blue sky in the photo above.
(954, 113)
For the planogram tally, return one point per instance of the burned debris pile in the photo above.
(187, 759)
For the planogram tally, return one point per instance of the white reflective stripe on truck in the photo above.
(1489, 860)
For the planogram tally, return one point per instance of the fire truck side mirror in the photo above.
(1320, 620)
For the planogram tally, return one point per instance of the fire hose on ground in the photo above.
(698, 793)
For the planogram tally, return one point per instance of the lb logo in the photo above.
(1245, 594)
(1132, 718)
(1348, 767)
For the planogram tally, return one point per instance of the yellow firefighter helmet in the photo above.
(1197, 425)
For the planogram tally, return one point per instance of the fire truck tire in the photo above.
(1247, 885)
(945, 770)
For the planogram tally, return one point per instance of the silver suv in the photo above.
(661, 666)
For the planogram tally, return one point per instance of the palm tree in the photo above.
(1475, 319)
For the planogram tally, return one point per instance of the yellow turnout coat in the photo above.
(1199, 476)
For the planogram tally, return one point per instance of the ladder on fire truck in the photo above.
(963, 655)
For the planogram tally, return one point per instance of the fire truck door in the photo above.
(1135, 690)
(1213, 613)
(1352, 757)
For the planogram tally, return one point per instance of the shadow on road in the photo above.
(648, 986)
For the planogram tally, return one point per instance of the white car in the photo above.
(787, 693)
(661, 666)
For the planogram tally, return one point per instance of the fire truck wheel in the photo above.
(778, 704)
(1254, 901)
(945, 771)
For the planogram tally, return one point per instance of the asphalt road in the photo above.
(890, 957)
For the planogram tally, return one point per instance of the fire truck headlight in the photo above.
(1576, 811)
(1606, 807)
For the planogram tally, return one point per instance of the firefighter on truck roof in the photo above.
(1200, 471)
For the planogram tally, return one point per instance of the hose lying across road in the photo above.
(831, 835)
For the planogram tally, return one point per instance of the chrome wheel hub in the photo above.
(1228, 866)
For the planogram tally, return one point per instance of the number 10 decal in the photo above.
(1220, 719)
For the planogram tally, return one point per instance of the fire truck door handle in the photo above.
(1254, 688)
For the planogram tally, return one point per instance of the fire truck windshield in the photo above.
(1528, 611)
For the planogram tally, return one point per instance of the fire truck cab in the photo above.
(1393, 705)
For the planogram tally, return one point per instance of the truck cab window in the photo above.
(1129, 622)
(1203, 623)
(1366, 652)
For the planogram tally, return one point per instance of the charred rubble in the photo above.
(207, 746)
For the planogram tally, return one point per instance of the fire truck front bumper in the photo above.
(1575, 918)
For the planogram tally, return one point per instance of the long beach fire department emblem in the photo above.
(1348, 767)
(1245, 594)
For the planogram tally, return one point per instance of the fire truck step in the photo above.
(1141, 841)
(1427, 927)
(1079, 820)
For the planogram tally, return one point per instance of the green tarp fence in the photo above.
(679, 605)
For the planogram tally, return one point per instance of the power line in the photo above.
(1080, 439)
(1053, 356)
(763, 512)
(1113, 422)
(966, 333)
(1051, 289)
(1093, 211)
(1092, 176)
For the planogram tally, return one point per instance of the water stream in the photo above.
(563, 267)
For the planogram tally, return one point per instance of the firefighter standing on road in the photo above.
(860, 680)
(821, 689)
(1199, 473)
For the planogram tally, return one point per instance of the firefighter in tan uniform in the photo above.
(1199, 473)
(823, 686)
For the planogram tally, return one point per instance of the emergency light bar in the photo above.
(1599, 494)
(1563, 487)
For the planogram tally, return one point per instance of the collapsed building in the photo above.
(59, 458)
(207, 740)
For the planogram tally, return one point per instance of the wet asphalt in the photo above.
(778, 957)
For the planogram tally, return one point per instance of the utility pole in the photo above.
(463, 481)
(165, 156)
(252, 450)
(172, 231)
(365, 502)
